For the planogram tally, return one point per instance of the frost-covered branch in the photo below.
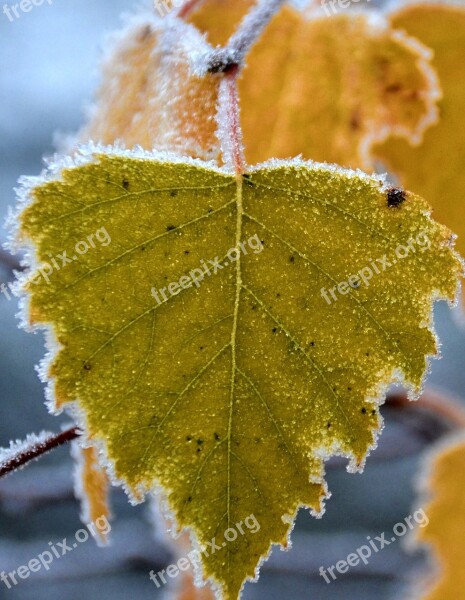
(20, 453)
(221, 60)
(252, 27)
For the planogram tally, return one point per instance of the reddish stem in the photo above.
(233, 118)
(36, 450)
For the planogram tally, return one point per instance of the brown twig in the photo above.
(36, 450)
(252, 25)
(433, 401)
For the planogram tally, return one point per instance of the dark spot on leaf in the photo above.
(188, 438)
(217, 436)
(328, 424)
(199, 450)
(258, 440)
(394, 87)
(363, 411)
(189, 499)
(186, 252)
(355, 120)
(373, 412)
(278, 295)
(87, 366)
(173, 193)
(312, 343)
(170, 227)
(274, 330)
(291, 259)
(199, 442)
(395, 197)
(201, 347)
(125, 184)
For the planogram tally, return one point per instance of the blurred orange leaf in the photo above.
(435, 170)
(445, 532)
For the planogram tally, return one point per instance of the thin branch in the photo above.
(233, 54)
(36, 449)
(252, 27)
(433, 401)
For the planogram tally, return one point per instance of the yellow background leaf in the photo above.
(444, 534)
(327, 88)
(324, 88)
(148, 95)
(188, 591)
(209, 386)
(435, 169)
(92, 487)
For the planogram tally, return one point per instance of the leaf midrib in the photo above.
(239, 217)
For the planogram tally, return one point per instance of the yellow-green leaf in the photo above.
(435, 169)
(230, 390)
(444, 533)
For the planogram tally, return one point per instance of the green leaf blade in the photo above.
(230, 394)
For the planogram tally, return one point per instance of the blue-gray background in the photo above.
(49, 60)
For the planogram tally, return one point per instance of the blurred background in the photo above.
(49, 69)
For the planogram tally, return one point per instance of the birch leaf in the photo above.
(444, 533)
(435, 169)
(204, 383)
(149, 95)
(329, 88)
